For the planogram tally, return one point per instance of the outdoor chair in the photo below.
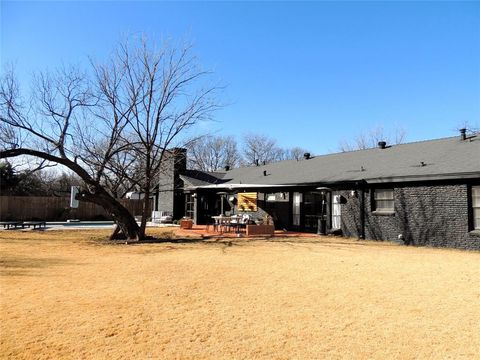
(225, 224)
(243, 222)
(236, 223)
(214, 223)
(162, 217)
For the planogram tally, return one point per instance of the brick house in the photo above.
(424, 193)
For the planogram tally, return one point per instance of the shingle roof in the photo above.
(447, 158)
(195, 178)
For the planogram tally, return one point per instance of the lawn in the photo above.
(69, 294)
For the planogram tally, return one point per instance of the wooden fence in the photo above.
(57, 209)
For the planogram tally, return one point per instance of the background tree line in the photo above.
(213, 153)
(45, 182)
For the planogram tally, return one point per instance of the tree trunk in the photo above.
(146, 203)
(127, 226)
(96, 194)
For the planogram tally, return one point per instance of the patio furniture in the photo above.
(222, 223)
(260, 230)
(226, 223)
(10, 224)
(217, 225)
(235, 221)
(162, 217)
(35, 224)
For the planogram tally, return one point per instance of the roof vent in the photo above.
(463, 134)
(264, 172)
(256, 162)
(382, 144)
(307, 156)
(227, 167)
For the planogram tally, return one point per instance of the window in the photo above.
(476, 207)
(297, 201)
(271, 197)
(383, 200)
(189, 205)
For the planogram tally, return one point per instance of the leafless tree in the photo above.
(160, 94)
(48, 123)
(260, 149)
(117, 124)
(295, 153)
(212, 153)
(470, 127)
(370, 139)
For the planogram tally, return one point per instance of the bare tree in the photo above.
(260, 149)
(117, 124)
(295, 153)
(212, 153)
(370, 139)
(470, 127)
(47, 124)
(160, 94)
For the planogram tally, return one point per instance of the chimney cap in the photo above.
(307, 156)
(463, 133)
(227, 167)
(382, 144)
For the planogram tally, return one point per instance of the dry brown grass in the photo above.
(69, 295)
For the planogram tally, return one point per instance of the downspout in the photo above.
(157, 199)
(196, 207)
(361, 185)
(362, 213)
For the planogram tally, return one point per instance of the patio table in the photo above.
(223, 222)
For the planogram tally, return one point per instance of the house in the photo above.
(423, 193)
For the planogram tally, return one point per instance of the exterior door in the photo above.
(296, 209)
(314, 206)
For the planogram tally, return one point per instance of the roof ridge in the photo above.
(399, 144)
(474, 134)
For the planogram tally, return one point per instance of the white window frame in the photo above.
(381, 197)
(476, 207)
(271, 197)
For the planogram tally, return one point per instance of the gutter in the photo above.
(241, 186)
(451, 176)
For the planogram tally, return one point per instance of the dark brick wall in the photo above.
(170, 198)
(434, 215)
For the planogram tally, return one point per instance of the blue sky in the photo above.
(306, 73)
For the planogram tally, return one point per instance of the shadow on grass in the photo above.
(22, 266)
(337, 243)
(329, 241)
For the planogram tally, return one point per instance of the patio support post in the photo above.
(196, 208)
(222, 199)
